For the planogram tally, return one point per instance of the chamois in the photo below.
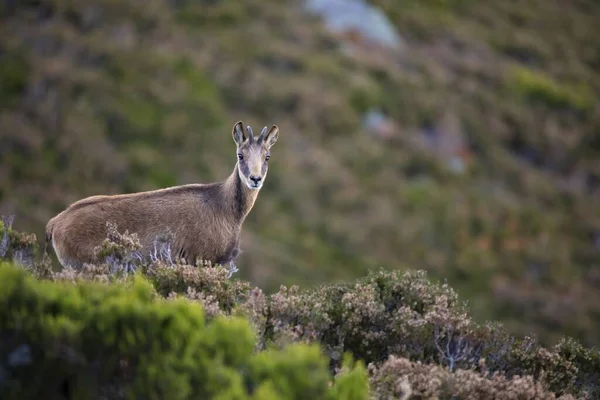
(204, 220)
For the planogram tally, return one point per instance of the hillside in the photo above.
(482, 171)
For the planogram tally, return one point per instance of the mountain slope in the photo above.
(483, 171)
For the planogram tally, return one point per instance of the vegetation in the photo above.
(485, 175)
(93, 340)
(181, 331)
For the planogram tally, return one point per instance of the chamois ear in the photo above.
(239, 136)
(272, 136)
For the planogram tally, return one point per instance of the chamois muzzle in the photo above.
(256, 181)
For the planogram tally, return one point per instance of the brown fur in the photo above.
(205, 220)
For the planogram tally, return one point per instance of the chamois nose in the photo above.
(255, 179)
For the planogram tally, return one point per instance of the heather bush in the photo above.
(587, 363)
(119, 251)
(401, 378)
(93, 340)
(205, 283)
(547, 365)
(416, 336)
(382, 314)
(403, 315)
(16, 246)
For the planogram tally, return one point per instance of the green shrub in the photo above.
(362, 99)
(537, 87)
(18, 246)
(92, 340)
(215, 14)
(14, 74)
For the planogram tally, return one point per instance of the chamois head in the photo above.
(253, 153)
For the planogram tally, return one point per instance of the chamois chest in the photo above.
(217, 243)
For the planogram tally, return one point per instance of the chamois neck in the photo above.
(240, 198)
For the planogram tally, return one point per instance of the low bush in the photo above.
(93, 340)
(403, 315)
(18, 246)
(400, 378)
(416, 336)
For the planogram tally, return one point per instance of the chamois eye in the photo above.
(267, 157)
(240, 157)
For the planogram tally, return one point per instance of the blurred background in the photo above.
(460, 137)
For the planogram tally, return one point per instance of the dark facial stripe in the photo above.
(240, 200)
(244, 168)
